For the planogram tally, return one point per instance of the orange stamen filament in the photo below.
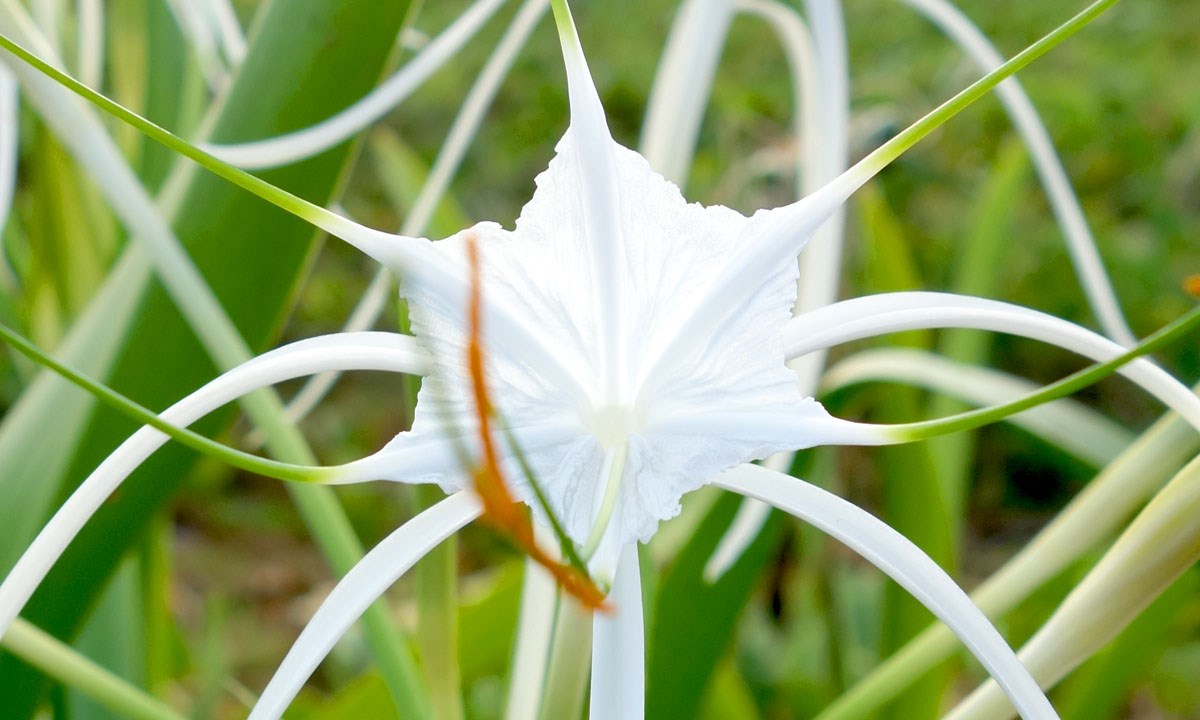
(500, 508)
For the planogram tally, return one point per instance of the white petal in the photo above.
(906, 564)
(363, 585)
(618, 647)
(591, 155)
(364, 316)
(354, 351)
(894, 312)
(424, 456)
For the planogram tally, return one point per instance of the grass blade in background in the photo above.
(913, 501)
(694, 621)
(309, 59)
(987, 238)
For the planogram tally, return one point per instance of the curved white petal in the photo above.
(894, 312)
(619, 647)
(747, 524)
(1161, 543)
(1065, 423)
(295, 146)
(450, 155)
(363, 585)
(1080, 244)
(365, 314)
(357, 351)
(906, 564)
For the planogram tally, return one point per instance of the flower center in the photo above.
(613, 424)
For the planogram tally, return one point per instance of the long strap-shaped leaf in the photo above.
(329, 52)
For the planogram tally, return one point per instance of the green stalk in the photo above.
(437, 614)
(569, 662)
(64, 664)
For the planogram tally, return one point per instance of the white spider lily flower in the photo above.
(636, 346)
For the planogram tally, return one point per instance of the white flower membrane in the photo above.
(672, 255)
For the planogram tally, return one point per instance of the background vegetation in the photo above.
(213, 590)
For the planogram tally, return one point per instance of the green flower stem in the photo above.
(609, 503)
(60, 661)
(237, 458)
(437, 612)
(866, 168)
(909, 432)
(569, 662)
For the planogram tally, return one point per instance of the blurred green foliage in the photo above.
(1119, 101)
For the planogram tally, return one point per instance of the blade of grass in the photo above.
(254, 280)
(913, 501)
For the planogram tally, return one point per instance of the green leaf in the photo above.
(986, 240)
(1101, 686)
(309, 59)
(693, 614)
(913, 501)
